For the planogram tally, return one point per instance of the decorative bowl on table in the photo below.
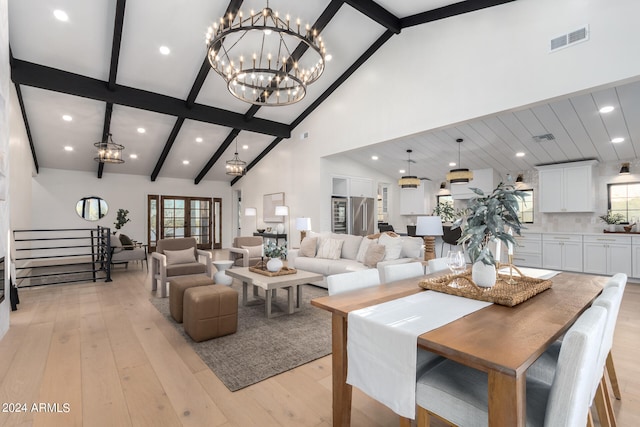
(260, 230)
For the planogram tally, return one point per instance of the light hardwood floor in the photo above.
(104, 351)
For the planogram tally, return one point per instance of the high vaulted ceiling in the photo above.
(103, 68)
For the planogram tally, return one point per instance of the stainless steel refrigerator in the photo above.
(363, 216)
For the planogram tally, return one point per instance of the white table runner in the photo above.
(536, 273)
(382, 342)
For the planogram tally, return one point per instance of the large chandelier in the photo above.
(409, 181)
(260, 58)
(460, 175)
(235, 166)
(109, 151)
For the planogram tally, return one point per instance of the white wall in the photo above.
(469, 66)
(56, 192)
(4, 150)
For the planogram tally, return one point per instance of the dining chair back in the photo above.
(438, 264)
(458, 393)
(344, 282)
(407, 270)
(618, 280)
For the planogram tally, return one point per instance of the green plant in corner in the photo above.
(121, 218)
(612, 218)
(488, 217)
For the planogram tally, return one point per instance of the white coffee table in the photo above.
(272, 284)
(221, 265)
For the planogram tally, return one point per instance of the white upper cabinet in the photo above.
(361, 187)
(567, 187)
(415, 201)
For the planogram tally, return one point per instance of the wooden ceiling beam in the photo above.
(167, 147)
(106, 130)
(449, 11)
(377, 13)
(29, 74)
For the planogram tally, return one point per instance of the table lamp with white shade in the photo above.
(303, 225)
(252, 212)
(282, 211)
(428, 227)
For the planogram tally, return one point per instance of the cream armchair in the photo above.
(177, 257)
(246, 251)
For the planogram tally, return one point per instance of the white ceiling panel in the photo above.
(405, 8)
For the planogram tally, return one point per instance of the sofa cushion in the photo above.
(350, 246)
(330, 249)
(116, 244)
(362, 250)
(254, 251)
(375, 254)
(184, 269)
(308, 247)
(328, 267)
(183, 256)
(393, 246)
(411, 247)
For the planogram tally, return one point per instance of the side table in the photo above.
(220, 277)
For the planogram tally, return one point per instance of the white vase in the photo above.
(612, 227)
(274, 264)
(483, 275)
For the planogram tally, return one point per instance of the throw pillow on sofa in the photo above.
(126, 241)
(116, 244)
(375, 254)
(330, 249)
(411, 247)
(308, 247)
(184, 256)
(364, 245)
(393, 246)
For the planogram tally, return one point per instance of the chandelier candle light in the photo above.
(258, 56)
(109, 151)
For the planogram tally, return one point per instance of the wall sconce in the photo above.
(624, 170)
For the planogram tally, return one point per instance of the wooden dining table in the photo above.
(501, 341)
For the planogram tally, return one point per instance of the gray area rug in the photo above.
(262, 348)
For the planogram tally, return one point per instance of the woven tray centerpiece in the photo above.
(261, 268)
(508, 290)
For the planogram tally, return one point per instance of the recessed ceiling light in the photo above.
(617, 140)
(68, 148)
(402, 171)
(165, 50)
(374, 157)
(67, 118)
(61, 15)
(245, 147)
(607, 109)
(133, 156)
(141, 130)
(185, 162)
(520, 154)
(198, 139)
(452, 164)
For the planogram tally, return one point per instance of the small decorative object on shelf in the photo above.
(611, 219)
(492, 217)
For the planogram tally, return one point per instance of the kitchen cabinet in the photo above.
(361, 187)
(567, 187)
(607, 254)
(528, 250)
(415, 201)
(635, 256)
(562, 252)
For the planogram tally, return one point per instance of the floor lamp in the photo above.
(252, 212)
(428, 227)
(303, 225)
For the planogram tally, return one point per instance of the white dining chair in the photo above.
(407, 270)
(344, 282)
(618, 280)
(545, 367)
(438, 264)
(458, 394)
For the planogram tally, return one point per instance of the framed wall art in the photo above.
(269, 203)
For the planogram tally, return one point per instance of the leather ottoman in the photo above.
(210, 312)
(177, 286)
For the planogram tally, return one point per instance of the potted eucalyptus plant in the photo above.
(276, 254)
(121, 219)
(489, 218)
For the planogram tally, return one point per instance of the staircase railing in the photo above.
(67, 255)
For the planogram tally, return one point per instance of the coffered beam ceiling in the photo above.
(52, 79)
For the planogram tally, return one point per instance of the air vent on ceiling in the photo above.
(566, 40)
(545, 137)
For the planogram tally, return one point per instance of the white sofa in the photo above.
(412, 250)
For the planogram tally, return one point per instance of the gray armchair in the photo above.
(245, 252)
(172, 259)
